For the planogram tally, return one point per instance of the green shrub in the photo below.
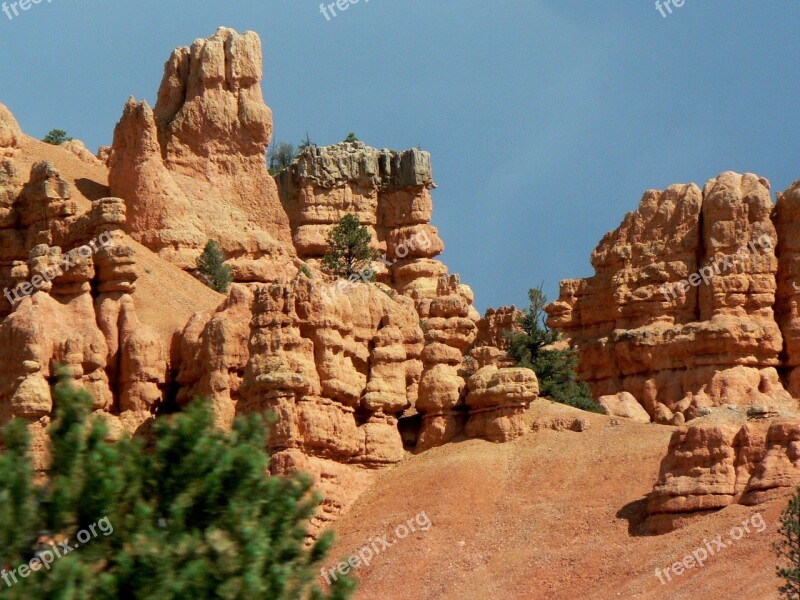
(192, 514)
(788, 548)
(351, 138)
(349, 252)
(212, 270)
(56, 137)
(555, 368)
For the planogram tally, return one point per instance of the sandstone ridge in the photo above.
(358, 376)
(691, 320)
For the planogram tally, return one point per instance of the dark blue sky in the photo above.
(546, 119)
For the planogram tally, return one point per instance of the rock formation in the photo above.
(681, 312)
(716, 462)
(388, 191)
(79, 149)
(67, 276)
(338, 374)
(692, 316)
(339, 367)
(9, 133)
(335, 374)
(193, 169)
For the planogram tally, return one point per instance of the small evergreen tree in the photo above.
(56, 137)
(280, 156)
(212, 270)
(555, 368)
(788, 548)
(351, 138)
(349, 253)
(193, 514)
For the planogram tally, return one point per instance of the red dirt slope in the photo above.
(554, 515)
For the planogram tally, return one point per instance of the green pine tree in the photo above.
(349, 252)
(351, 138)
(56, 137)
(212, 270)
(192, 514)
(788, 548)
(555, 368)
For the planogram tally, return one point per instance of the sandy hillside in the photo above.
(553, 515)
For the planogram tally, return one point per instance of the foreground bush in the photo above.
(788, 548)
(555, 368)
(192, 515)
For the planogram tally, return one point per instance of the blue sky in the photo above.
(547, 119)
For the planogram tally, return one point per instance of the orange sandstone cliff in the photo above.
(357, 375)
(691, 320)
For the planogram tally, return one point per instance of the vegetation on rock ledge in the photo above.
(212, 270)
(56, 137)
(533, 349)
(349, 252)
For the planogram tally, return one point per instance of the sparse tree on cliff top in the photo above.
(212, 270)
(306, 143)
(56, 137)
(349, 251)
(788, 548)
(192, 514)
(555, 368)
(351, 138)
(280, 156)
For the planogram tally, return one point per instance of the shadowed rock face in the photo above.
(193, 168)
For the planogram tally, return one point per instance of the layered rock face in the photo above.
(338, 370)
(681, 313)
(718, 462)
(67, 276)
(193, 168)
(336, 375)
(692, 315)
(388, 191)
